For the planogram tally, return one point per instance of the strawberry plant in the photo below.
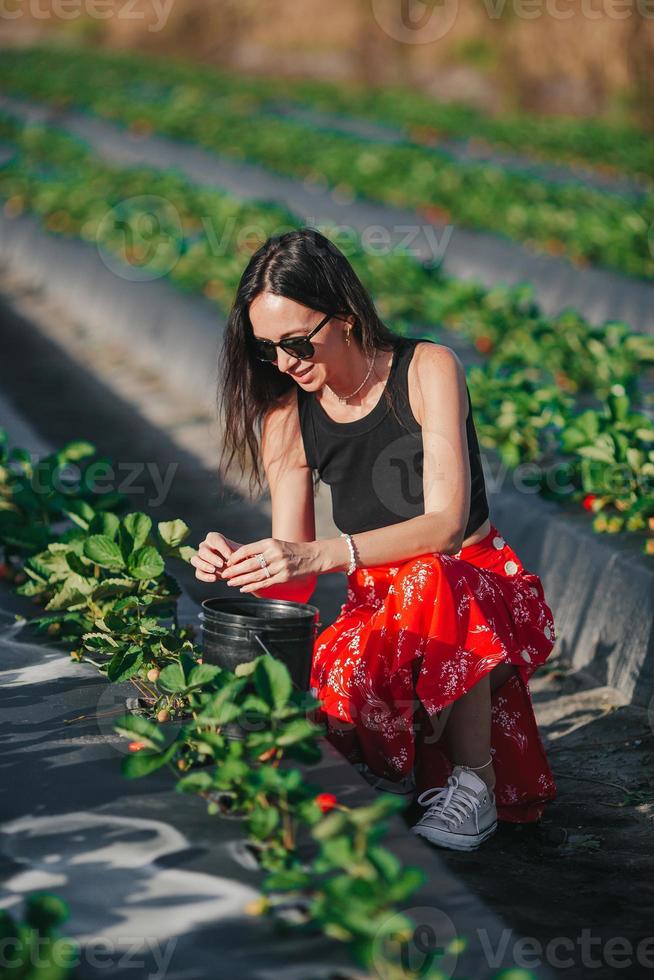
(104, 584)
(519, 413)
(614, 463)
(350, 885)
(38, 496)
(271, 715)
(33, 948)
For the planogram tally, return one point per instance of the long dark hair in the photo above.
(304, 266)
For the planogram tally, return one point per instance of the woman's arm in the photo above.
(291, 492)
(446, 473)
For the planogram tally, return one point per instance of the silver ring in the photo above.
(262, 562)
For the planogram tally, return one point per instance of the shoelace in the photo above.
(459, 803)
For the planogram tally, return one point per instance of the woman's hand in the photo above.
(286, 561)
(212, 554)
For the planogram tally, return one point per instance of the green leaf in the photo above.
(225, 713)
(338, 851)
(80, 513)
(211, 743)
(297, 731)
(256, 705)
(333, 824)
(203, 674)
(73, 590)
(113, 587)
(30, 588)
(145, 762)
(104, 552)
(122, 665)
(227, 695)
(105, 523)
(618, 405)
(290, 880)
(410, 880)
(146, 730)
(262, 821)
(272, 681)
(386, 862)
(131, 601)
(385, 805)
(138, 526)
(99, 641)
(146, 563)
(195, 782)
(77, 450)
(598, 453)
(78, 563)
(173, 532)
(172, 678)
(635, 458)
(45, 912)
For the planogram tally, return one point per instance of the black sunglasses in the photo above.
(266, 350)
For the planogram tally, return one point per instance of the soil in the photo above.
(582, 880)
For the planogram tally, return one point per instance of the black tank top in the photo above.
(374, 464)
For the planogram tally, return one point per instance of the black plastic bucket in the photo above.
(238, 629)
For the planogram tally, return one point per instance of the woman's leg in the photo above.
(468, 731)
(467, 722)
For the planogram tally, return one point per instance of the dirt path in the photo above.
(583, 880)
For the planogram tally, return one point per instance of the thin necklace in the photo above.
(343, 398)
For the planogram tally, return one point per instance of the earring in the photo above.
(347, 335)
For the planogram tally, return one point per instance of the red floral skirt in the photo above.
(415, 636)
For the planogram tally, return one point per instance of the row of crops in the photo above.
(102, 580)
(611, 147)
(587, 225)
(558, 399)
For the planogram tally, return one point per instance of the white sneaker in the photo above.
(460, 815)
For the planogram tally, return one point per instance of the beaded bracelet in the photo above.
(353, 558)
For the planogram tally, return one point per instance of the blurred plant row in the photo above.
(552, 393)
(585, 224)
(610, 147)
(103, 581)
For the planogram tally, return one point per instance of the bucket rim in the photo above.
(305, 611)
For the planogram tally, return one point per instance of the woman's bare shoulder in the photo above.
(432, 353)
(281, 434)
(433, 368)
